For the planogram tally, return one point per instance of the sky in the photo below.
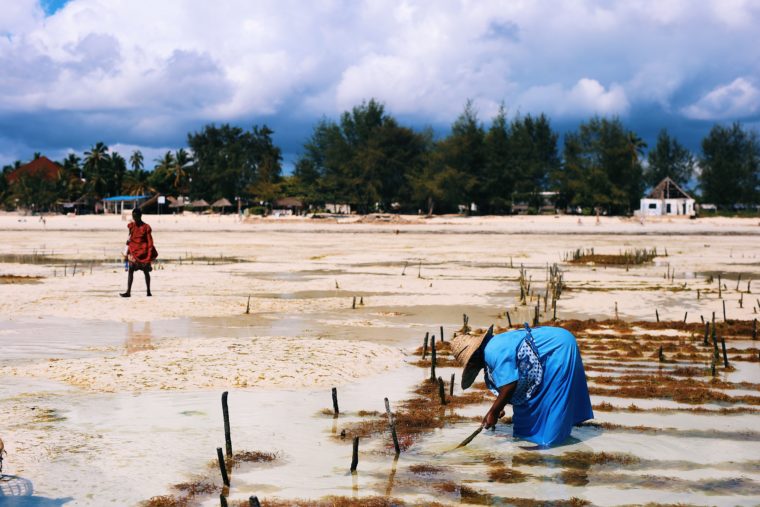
(141, 74)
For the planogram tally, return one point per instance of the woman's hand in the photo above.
(490, 420)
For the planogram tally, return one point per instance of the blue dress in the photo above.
(561, 401)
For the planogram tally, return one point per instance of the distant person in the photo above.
(140, 251)
(538, 371)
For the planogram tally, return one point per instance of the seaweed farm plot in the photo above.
(675, 424)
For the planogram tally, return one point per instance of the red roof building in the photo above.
(41, 167)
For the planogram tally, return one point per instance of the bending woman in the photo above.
(539, 371)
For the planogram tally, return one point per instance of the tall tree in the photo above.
(136, 160)
(96, 170)
(364, 160)
(601, 167)
(730, 164)
(499, 174)
(456, 172)
(534, 156)
(229, 161)
(669, 159)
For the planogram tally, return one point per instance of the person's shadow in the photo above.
(17, 491)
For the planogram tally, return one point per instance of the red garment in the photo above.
(140, 243)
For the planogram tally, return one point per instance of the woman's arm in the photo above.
(493, 414)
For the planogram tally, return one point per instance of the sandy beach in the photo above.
(286, 308)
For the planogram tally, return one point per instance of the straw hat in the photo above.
(464, 348)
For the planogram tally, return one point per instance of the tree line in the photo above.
(368, 159)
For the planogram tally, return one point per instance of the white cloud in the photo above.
(140, 70)
(586, 97)
(738, 99)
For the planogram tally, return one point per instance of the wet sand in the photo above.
(121, 397)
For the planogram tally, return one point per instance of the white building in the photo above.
(667, 198)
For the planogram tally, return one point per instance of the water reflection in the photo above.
(138, 339)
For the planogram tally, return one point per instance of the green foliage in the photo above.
(730, 165)
(231, 162)
(669, 159)
(366, 159)
(602, 167)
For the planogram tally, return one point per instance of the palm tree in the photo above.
(181, 162)
(95, 161)
(136, 160)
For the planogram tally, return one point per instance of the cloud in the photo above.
(145, 73)
(736, 100)
(587, 97)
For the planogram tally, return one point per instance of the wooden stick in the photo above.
(451, 386)
(509, 320)
(714, 334)
(685, 314)
(335, 400)
(442, 340)
(355, 455)
(226, 415)
(392, 424)
(707, 332)
(724, 311)
(754, 329)
(353, 304)
(222, 466)
(222, 500)
(432, 358)
(425, 345)
(248, 306)
(441, 391)
(725, 356)
(657, 314)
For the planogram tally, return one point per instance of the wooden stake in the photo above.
(425, 345)
(222, 500)
(535, 316)
(248, 306)
(725, 356)
(226, 415)
(355, 455)
(554, 309)
(441, 391)
(660, 355)
(707, 332)
(361, 300)
(738, 281)
(657, 314)
(432, 358)
(616, 311)
(451, 386)
(74, 271)
(222, 466)
(335, 401)
(697, 294)
(685, 314)
(741, 301)
(353, 304)
(720, 288)
(442, 340)
(509, 320)
(714, 334)
(392, 424)
(724, 311)
(754, 329)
